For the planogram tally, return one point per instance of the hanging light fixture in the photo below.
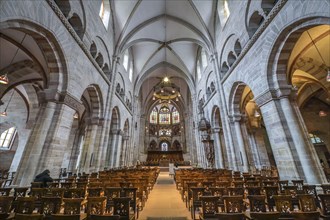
(322, 113)
(328, 69)
(256, 113)
(4, 113)
(4, 79)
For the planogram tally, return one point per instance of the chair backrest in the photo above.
(56, 192)
(233, 204)
(20, 191)
(5, 191)
(122, 206)
(5, 203)
(72, 206)
(38, 192)
(282, 183)
(326, 188)
(196, 193)
(94, 191)
(25, 205)
(209, 205)
(257, 203)
(283, 203)
(307, 202)
(235, 191)
(51, 205)
(96, 205)
(254, 190)
(75, 193)
(325, 201)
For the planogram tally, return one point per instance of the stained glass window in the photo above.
(164, 146)
(153, 116)
(164, 116)
(175, 116)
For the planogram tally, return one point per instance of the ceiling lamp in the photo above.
(4, 113)
(165, 90)
(256, 113)
(327, 69)
(322, 113)
(4, 79)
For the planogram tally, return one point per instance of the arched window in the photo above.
(164, 116)
(164, 146)
(130, 72)
(125, 60)
(153, 116)
(7, 138)
(198, 70)
(175, 116)
(223, 11)
(204, 59)
(105, 13)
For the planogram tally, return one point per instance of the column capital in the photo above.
(272, 94)
(235, 118)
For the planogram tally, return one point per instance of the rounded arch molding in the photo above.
(57, 75)
(282, 47)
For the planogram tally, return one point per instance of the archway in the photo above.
(221, 160)
(253, 150)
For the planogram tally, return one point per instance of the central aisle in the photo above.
(164, 200)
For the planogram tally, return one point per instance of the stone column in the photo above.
(228, 139)
(47, 142)
(236, 122)
(219, 159)
(89, 145)
(292, 151)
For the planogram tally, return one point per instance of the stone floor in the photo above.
(164, 201)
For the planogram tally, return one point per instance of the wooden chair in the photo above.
(326, 188)
(24, 205)
(95, 191)
(5, 204)
(258, 210)
(96, 205)
(50, 205)
(209, 207)
(56, 192)
(5, 191)
(131, 192)
(188, 193)
(311, 189)
(325, 203)
(111, 193)
(299, 184)
(38, 193)
(284, 205)
(281, 184)
(235, 191)
(196, 193)
(74, 193)
(253, 190)
(72, 210)
(233, 209)
(122, 208)
(270, 192)
(308, 208)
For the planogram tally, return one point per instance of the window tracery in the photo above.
(7, 137)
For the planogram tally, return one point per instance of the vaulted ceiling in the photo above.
(164, 37)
